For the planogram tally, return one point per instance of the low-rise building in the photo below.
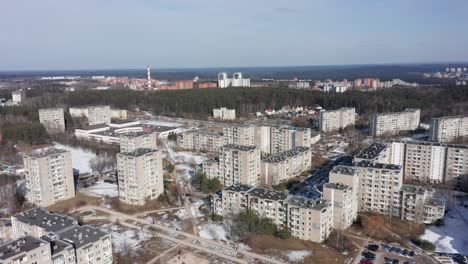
(200, 140)
(334, 120)
(286, 165)
(449, 128)
(224, 114)
(392, 123)
(18, 96)
(49, 176)
(140, 176)
(52, 119)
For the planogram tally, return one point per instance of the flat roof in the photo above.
(82, 235)
(372, 151)
(19, 246)
(303, 202)
(139, 152)
(56, 245)
(343, 169)
(376, 165)
(240, 147)
(44, 152)
(136, 134)
(238, 188)
(92, 127)
(451, 117)
(435, 202)
(337, 186)
(413, 188)
(268, 194)
(286, 154)
(50, 222)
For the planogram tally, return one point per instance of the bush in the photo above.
(248, 222)
(204, 184)
(424, 244)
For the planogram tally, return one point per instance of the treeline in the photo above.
(449, 100)
(32, 133)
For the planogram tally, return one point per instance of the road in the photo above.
(190, 238)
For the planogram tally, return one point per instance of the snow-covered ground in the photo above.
(195, 208)
(101, 189)
(452, 237)
(128, 239)
(214, 232)
(162, 123)
(80, 157)
(298, 255)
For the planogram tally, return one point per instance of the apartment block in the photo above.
(343, 193)
(379, 187)
(240, 164)
(18, 96)
(449, 128)
(130, 142)
(213, 169)
(49, 176)
(277, 139)
(286, 165)
(224, 114)
(67, 242)
(425, 162)
(334, 120)
(27, 250)
(307, 219)
(91, 244)
(140, 176)
(52, 119)
(456, 167)
(99, 114)
(387, 124)
(239, 135)
(201, 140)
(418, 205)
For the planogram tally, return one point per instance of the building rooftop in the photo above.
(286, 154)
(204, 132)
(50, 222)
(268, 194)
(238, 188)
(406, 111)
(317, 204)
(413, 188)
(81, 236)
(44, 152)
(92, 127)
(375, 165)
(372, 151)
(56, 245)
(139, 152)
(136, 134)
(19, 247)
(435, 202)
(51, 109)
(450, 117)
(337, 186)
(239, 147)
(342, 169)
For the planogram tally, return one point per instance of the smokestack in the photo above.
(148, 67)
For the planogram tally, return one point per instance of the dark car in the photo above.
(373, 247)
(388, 260)
(405, 252)
(411, 253)
(395, 261)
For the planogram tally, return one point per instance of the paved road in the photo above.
(206, 243)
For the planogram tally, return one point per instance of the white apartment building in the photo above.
(49, 176)
(456, 166)
(237, 164)
(418, 205)
(52, 119)
(449, 128)
(99, 114)
(140, 176)
(425, 162)
(27, 250)
(307, 219)
(286, 165)
(68, 242)
(277, 139)
(379, 187)
(224, 114)
(237, 80)
(386, 124)
(334, 120)
(130, 142)
(239, 135)
(200, 140)
(18, 96)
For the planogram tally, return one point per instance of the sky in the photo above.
(125, 34)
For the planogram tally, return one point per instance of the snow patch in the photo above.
(298, 255)
(214, 232)
(80, 157)
(101, 189)
(128, 239)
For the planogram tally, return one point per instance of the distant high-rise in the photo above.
(148, 68)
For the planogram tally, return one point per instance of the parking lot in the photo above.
(389, 254)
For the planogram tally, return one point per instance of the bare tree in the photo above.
(102, 163)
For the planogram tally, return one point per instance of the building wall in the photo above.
(447, 129)
(140, 177)
(49, 179)
(99, 252)
(240, 166)
(425, 162)
(130, 143)
(224, 113)
(239, 135)
(393, 123)
(288, 165)
(456, 165)
(99, 115)
(200, 140)
(39, 254)
(334, 120)
(52, 119)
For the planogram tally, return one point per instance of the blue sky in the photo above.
(111, 34)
